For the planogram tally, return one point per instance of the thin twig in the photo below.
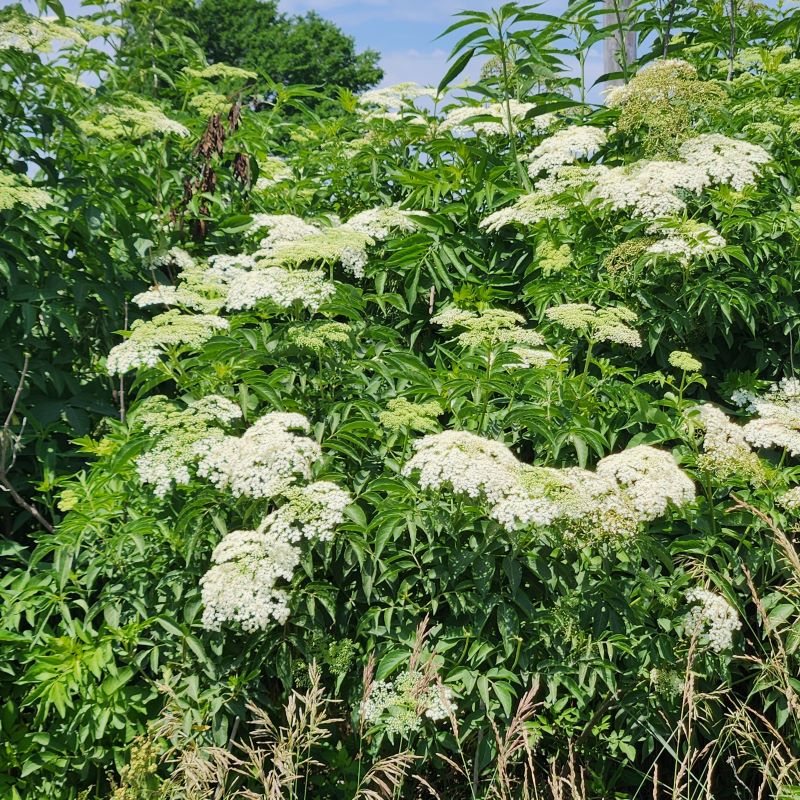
(122, 378)
(9, 440)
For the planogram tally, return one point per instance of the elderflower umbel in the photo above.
(488, 328)
(565, 146)
(401, 704)
(174, 257)
(281, 227)
(225, 72)
(379, 223)
(181, 437)
(711, 618)
(599, 324)
(131, 117)
(778, 420)
(148, 340)
(312, 511)
(467, 463)
(726, 452)
(462, 119)
(24, 32)
(176, 296)
(790, 500)
(272, 170)
(684, 361)
(395, 96)
(649, 189)
(328, 246)
(400, 415)
(240, 587)
(650, 478)
(16, 191)
(265, 461)
(279, 286)
(583, 507)
(724, 160)
(530, 357)
(686, 241)
(527, 210)
(319, 337)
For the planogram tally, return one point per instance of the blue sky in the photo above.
(403, 31)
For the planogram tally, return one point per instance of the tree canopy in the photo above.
(287, 48)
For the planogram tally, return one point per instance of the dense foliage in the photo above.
(452, 450)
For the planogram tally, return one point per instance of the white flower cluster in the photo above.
(380, 223)
(546, 202)
(672, 68)
(649, 189)
(241, 586)
(778, 416)
(465, 119)
(131, 117)
(240, 282)
(221, 71)
(646, 189)
(319, 337)
(292, 241)
(400, 705)
(181, 296)
(608, 505)
(265, 461)
(725, 160)
(181, 437)
(222, 266)
(311, 512)
(327, 246)
(282, 228)
(726, 452)
(649, 478)
(566, 146)
(711, 618)
(16, 191)
(272, 170)
(527, 210)
(687, 241)
(609, 324)
(488, 328)
(790, 500)
(148, 340)
(281, 287)
(24, 32)
(530, 357)
(684, 361)
(175, 256)
(395, 96)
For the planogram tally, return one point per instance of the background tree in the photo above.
(288, 49)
